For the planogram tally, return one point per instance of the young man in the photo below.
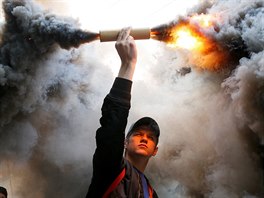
(3, 192)
(113, 174)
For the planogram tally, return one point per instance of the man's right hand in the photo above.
(126, 48)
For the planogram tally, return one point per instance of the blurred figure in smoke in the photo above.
(3, 192)
(113, 174)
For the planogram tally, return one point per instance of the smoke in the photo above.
(211, 123)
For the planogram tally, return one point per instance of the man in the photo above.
(3, 192)
(113, 174)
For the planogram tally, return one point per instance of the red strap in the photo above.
(115, 183)
(150, 189)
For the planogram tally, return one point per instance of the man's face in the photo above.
(142, 142)
(2, 195)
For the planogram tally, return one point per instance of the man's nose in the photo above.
(144, 138)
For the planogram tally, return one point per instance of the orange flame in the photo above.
(184, 36)
(192, 37)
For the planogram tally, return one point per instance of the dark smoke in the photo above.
(43, 28)
(29, 35)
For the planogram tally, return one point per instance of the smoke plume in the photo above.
(212, 122)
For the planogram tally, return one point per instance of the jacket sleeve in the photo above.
(108, 156)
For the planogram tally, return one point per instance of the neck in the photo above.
(139, 162)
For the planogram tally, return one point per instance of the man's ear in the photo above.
(155, 151)
(125, 143)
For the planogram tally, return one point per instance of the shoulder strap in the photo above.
(150, 189)
(115, 183)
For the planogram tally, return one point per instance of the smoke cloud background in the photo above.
(212, 123)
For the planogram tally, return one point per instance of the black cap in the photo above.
(3, 191)
(145, 122)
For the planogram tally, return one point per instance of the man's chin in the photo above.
(142, 153)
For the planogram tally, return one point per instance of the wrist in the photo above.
(127, 70)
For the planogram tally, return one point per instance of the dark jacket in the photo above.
(108, 161)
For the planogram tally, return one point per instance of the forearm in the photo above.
(127, 71)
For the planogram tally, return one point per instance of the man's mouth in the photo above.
(143, 145)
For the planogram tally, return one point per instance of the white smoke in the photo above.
(211, 123)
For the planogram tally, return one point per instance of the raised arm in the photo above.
(108, 157)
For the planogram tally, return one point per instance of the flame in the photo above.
(184, 37)
(191, 35)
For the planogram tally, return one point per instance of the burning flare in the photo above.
(190, 35)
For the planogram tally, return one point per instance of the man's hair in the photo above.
(3, 191)
(147, 123)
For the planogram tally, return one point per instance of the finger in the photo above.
(124, 33)
(130, 38)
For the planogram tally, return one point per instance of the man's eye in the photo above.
(151, 137)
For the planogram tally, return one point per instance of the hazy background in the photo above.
(211, 122)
